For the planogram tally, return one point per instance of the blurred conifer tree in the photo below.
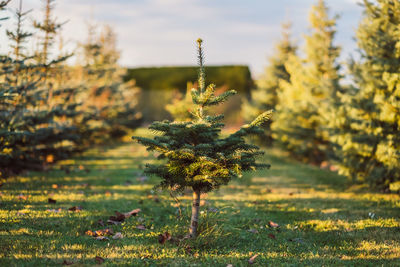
(366, 128)
(109, 103)
(265, 96)
(33, 132)
(299, 124)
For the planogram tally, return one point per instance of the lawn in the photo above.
(290, 215)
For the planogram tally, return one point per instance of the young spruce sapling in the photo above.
(195, 156)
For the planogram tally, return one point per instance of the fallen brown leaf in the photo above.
(102, 232)
(118, 236)
(22, 197)
(252, 259)
(254, 231)
(52, 201)
(113, 222)
(272, 236)
(141, 227)
(75, 208)
(99, 260)
(102, 238)
(67, 262)
(273, 224)
(132, 213)
(162, 238)
(120, 217)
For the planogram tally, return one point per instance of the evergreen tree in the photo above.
(109, 108)
(265, 96)
(367, 126)
(196, 157)
(299, 124)
(33, 132)
(3, 5)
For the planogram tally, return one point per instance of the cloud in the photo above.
(163, 32)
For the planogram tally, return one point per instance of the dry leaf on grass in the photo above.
(22, 197)
(252, 259)
(141, 227)
(118, 236)
(132, 213)
(254, 231)
(162, 238)
(99, 260)
(120, 217)
(113, 222)
(273, 224)
(102, 232)
(102, 238)
(272, 236)
(75, 208)
(52, 201)
(67, 262)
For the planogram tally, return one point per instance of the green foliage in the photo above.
(160, 84)
(34, 128)
(265, 96)
(182, 105)
(195, 155)
(49, 110)
(169, 78)
(299, 124)
(366, 130)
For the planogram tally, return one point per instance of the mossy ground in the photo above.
(322, 221)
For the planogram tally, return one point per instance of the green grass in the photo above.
(322, 221)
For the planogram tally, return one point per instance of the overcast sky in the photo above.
(163, 32)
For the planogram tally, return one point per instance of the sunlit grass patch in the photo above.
(320, 221)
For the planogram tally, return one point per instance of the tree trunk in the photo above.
(194, 222)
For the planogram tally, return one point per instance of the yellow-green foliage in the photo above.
(182, 106)
(196, 156)
(299, 122)
(367, 126)
(265, 95)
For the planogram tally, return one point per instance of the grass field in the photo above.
(322, 222)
